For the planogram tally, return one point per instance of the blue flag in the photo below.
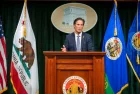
(115, 59)
(133, 45)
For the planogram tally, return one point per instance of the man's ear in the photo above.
(74, 26)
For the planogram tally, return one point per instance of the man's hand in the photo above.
(64, 49)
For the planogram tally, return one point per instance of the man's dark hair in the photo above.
(77, 19)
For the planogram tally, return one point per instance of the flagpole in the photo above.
(24, 30)
(137, 16)
(137, 24)
(24, 22)
(25, 1)
(115, 29)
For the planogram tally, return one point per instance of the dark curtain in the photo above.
(48, 38)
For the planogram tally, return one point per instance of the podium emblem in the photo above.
(74, 85)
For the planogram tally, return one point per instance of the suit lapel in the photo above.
(82, 41)
(74, 42)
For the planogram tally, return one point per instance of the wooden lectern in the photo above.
(61, 65)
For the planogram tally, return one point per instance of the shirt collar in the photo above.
(78, 35)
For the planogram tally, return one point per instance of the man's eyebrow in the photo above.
(82, 24)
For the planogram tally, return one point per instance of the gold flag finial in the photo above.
(25, 1)
(115, 2)
(115, 31)
(24, 20)
(25, 5)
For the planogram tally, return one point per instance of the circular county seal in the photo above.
(136, 41)
(113, 48)
(74, 85)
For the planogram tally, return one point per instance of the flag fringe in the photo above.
(122, 89)
(13, 84)
(3, 90)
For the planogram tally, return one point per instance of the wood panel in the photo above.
(50, 80)
(74, 66)
(97, 71)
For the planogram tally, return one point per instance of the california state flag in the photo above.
(24, 69)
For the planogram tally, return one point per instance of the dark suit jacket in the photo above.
(86, 42)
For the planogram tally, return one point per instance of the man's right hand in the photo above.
(64, 49)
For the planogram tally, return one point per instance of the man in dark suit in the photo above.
(78, 40)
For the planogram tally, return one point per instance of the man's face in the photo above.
(78, 26)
